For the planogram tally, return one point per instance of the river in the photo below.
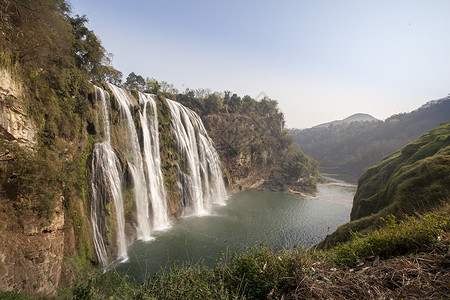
(247, 219)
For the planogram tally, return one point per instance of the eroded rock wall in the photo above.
(31, 256)
(15, 124)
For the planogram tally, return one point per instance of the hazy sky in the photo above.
(322, 60)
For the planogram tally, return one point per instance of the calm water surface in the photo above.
(248, 218)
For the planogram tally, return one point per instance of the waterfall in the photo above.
(106, 184)
(149, 121)
(135, 163)
(200, 176)
(135, 138)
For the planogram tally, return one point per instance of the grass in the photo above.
(408, 236)
(406, 178)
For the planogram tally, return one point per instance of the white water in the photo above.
(200, 176)
(157, 194)
(106, 181)
(134, 161)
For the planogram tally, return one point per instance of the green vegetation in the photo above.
(56, 73)
(169, 155)
(350, 149)
(411, 235)
(415, 178)
(18, 296)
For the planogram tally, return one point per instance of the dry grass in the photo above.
(423, 276)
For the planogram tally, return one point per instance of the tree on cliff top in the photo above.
(41, 35)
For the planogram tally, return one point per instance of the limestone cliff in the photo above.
(258, 153)
(31, 256)
(15, 124)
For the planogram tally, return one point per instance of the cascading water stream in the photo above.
(200, 176)
(201, 182)
(190, 186)
(135, 163)
(106, 181)
(157, 194)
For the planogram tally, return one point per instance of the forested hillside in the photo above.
(350, 149)
(348, 120)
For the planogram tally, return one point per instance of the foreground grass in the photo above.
(403, 259)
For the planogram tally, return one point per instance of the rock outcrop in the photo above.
(14, 121)
(31, 256)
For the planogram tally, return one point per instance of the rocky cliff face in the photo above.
(14, 121)
(31, 256)
(258, 153)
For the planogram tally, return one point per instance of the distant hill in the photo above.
(351, 148)
(353, 118)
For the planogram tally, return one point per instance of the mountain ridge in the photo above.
(357, 117)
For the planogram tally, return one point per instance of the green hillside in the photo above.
(412, 180)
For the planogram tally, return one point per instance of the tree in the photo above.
(111, 75)
(235, 102)
(213, 104)
(135, 82)
(90, 54)
(168, 88)
(202, 93)
(152, 85)
(36, 32)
